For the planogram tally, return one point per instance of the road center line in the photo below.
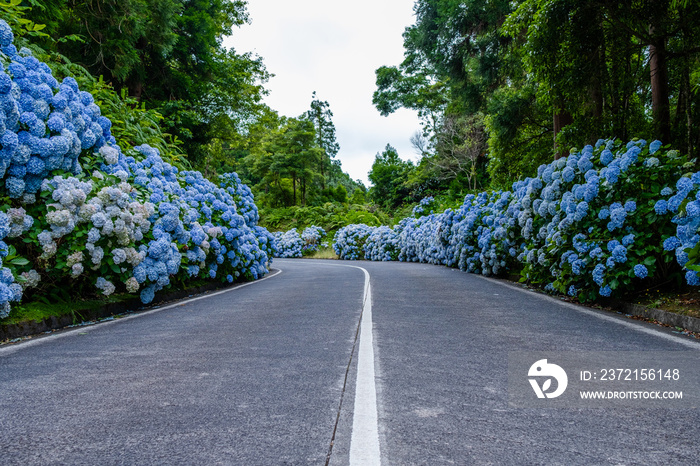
(364, 440)
(364, 443)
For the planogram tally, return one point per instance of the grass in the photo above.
(80, 309)
(38, 311)
(685, 303)
(323, 253)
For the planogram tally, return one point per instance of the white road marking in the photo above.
(9, 349)
(364, 440)
(364, 443)
(600, 315)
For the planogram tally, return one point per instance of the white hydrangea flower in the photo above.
(76, 270)
(31, 279)
(132, 285)
(110, 154)
(106, 286)
(118, 255)
(49, 250)
(74, 258)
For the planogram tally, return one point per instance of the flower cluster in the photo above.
(382, 244)
(424, 207)
(292, 244)
(44, 125)
(9, 289)
(349, 241)
(312, 236)
(93, 216)
(288, 243)
(596, 222)
(684, 204)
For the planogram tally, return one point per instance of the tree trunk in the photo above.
(660, 106)
(562, 118)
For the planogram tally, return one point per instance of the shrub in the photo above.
(312, 236)
(349, 241)
(289, 243)
(598, 222)
(80, 213)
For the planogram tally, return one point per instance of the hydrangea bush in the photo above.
(312, 237)
(606, 219)
(80, 211)
(382, 244)
(288, 243)
(292, 244)
(349, 241)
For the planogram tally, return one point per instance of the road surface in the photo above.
(328, 362)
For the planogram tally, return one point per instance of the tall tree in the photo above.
(321, 116)
(168, 54)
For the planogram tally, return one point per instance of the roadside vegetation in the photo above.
(559, 142)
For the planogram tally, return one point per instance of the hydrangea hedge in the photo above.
(78, 212)
(291, 244)
(288, 243)
(604, 220)
(312, 237)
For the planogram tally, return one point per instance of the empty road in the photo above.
(329, 362)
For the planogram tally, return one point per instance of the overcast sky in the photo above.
(333, 48)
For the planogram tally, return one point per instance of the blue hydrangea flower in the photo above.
(671, 243)
(640, 271)
(598, 274)
(606, 157)
(654, 146)
(661, 207)
(628, 240)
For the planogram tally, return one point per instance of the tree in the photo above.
(602, 63)
(321, 116)
(459, 64)
(168, 54)
(388, 175)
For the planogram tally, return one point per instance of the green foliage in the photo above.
(329, 216)
(168, 54)
(13, 12)
(388, 177)
(545, 75)
(290, 161)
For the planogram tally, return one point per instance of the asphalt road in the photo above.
(313, 366)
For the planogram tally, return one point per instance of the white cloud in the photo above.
(333, 48)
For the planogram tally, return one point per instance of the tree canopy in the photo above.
(541, 76)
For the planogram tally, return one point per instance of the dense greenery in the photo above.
(291, 161)
(505, 85)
